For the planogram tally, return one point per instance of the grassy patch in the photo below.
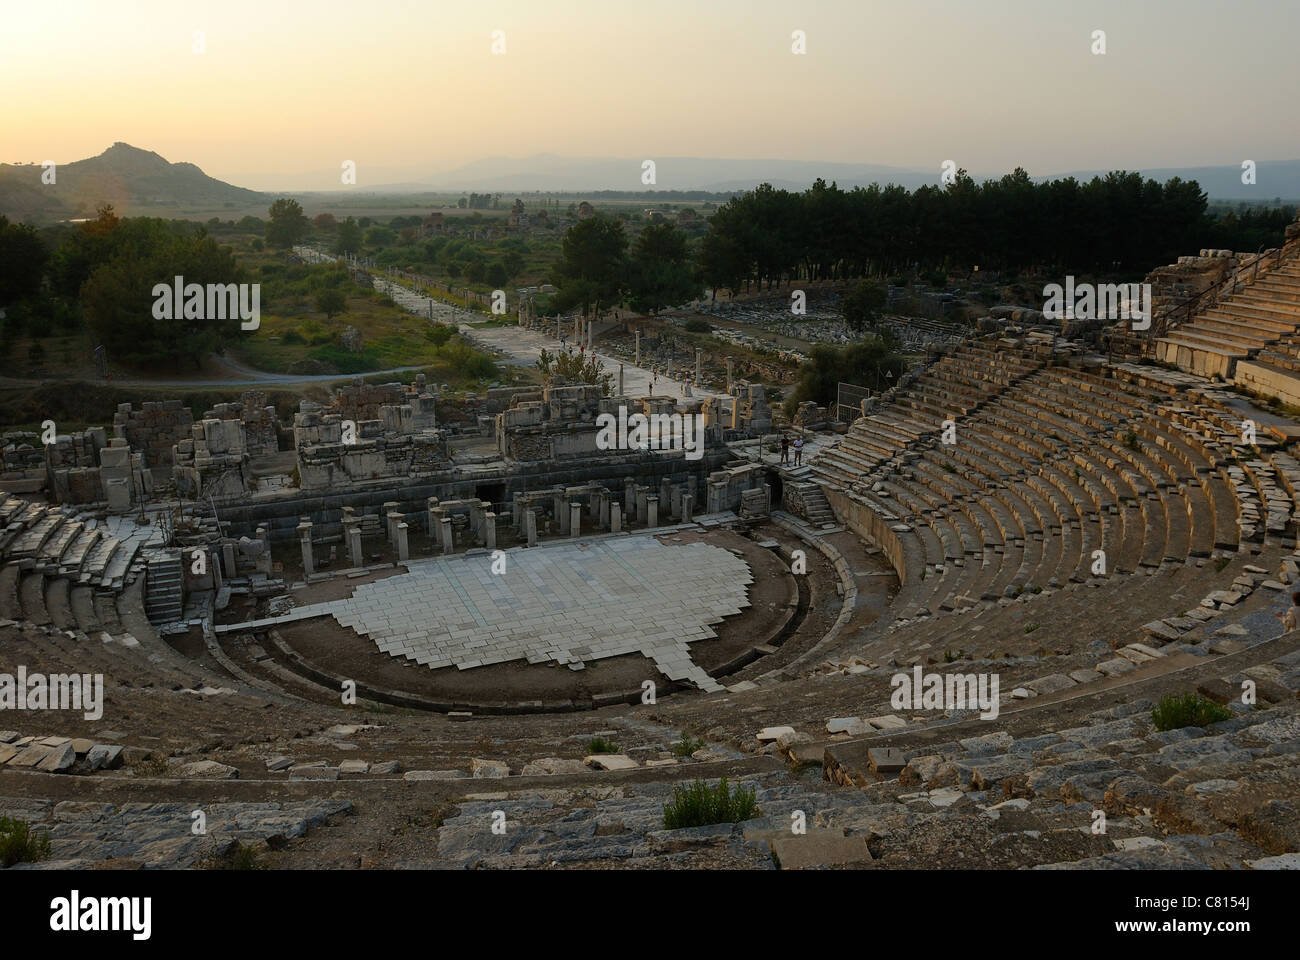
(1187, 710)
(19, 845)
(601, 745)
(699, 806)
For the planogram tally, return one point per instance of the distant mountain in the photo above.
(549, 172)
(122, 175)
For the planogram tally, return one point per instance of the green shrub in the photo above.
(698, 806)
(239, 857)
(687, 745)
(19, 845)
(601, 745)
(1187, 710)
(292, 336)
(696, 325)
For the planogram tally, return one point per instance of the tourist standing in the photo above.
(785, 448)
(798, 451)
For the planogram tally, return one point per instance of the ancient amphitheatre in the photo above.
(750, 437)
(323, 666)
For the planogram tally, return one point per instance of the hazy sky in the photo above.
(286, 91)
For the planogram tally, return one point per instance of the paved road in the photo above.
(521, 346)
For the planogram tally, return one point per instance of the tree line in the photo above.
(1116, 224)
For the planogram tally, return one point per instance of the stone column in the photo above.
(676, 500)
(642, 494)
(728, 374)
(263, 563)
(431, 521)
(605, 505)
(228, 559)
(395, 519)
(562, 516)
(629, 495)
(652, 511)
(352, 529)
(490, 530)
(590, 336)
(638, 347)
(620, 381)
(664, 492)
(304, 536)
(687, 502)
(215, 562)
(575, 519)
(476, 511)
(403, 546)
(699, 364)
(448, 545)
(615, 518)
(389, 508)
(530, 526)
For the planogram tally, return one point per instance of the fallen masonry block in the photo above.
(490, 769)
(278, 763)
(1113, 668)
(1050, 684)
(206, 770)
(611, 761)
(548, 766)
(885, 760)
(887, 722)
(853, 726)
(103, 756)
(768, 734)
(58, 759)
(788, 740)
(1143, 648)
(818, 848)
(1218, 690)
(1158, 628)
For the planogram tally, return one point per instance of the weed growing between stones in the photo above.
(1187, 710)
(687, 745)
(19, 845)
(601, 745)
(698, 806)
(240, 856)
